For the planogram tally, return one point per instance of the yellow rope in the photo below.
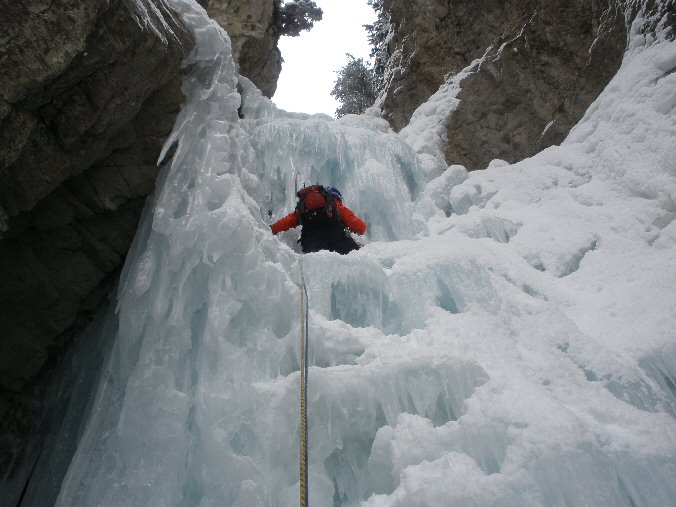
(303, 388)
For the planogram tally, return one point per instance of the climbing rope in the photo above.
(304, 337)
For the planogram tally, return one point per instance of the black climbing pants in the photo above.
(334, 239)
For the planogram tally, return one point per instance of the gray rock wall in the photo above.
(546, 62)
(251, 27)
(89, 91)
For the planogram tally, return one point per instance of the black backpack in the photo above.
(316, 207)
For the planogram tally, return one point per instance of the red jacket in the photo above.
(351, 221)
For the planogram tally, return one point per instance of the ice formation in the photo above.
(505, 338)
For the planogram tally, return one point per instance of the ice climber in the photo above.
(324, 218)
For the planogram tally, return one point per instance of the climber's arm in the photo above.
(351, 221)
(284, 224)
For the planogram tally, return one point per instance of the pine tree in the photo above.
(354, 87)
(377, 36)
(293, 17)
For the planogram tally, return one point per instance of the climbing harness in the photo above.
(304, 337)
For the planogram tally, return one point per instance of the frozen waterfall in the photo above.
(505, 338)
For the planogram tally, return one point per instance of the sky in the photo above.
(312, 59)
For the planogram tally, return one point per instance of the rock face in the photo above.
(89, 91)
(251, 27)
(544, 64)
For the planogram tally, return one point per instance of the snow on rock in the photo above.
(505, 337)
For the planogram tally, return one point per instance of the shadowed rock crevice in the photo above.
(80, 222)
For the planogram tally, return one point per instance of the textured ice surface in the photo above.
(505, 338)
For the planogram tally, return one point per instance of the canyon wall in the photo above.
(543, 64)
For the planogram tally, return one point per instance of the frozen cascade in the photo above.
(505, 338)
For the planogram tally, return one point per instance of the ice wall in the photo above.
(505, 338)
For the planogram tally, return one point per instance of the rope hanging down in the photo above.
(304, 338)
